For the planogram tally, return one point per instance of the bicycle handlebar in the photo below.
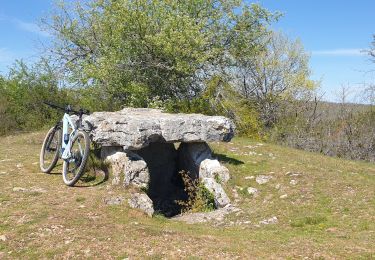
(68, 109)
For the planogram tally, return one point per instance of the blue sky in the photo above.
(334, 33)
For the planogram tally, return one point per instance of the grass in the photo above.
(329, 210)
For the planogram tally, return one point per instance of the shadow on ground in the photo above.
(226, 159)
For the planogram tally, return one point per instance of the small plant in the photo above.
(199, 198)
(94, 167)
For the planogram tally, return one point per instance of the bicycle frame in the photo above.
(67, 137)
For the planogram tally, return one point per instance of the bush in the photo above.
(199, 198)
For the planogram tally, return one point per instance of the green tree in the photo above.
(277, 74)
(22, 94)
(130, 51)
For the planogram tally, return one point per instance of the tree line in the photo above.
(205, 56)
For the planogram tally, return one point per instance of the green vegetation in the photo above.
(199, 198)
(328, 213)
(212, 57)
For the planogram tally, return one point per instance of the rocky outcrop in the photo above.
(135, 128)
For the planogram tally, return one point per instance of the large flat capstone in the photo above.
(135, 128)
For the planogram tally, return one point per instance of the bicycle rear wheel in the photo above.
(49, 153)
(73, 168)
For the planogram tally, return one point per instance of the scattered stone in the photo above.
(284, 196)
(262, 179)
(114, 200)
(221, 198)
(278, 186)
(293, 182)
(201, 217)
(272, 220)
(40, 190)
(252, 191)
(19, 189)
(135, 128)
(213, 169)
(249, 177)
(293, 174)
(3, 238)
(143, 202)
(34, 189)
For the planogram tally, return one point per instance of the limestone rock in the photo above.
(117, 200)
(272, 220)
(135, 128)
(143, 202)
(201, 217)
(131, 166)
(252, 191)
(262, 179)
(191, 155)
(107, 151)
(213, 169)
(221, 198)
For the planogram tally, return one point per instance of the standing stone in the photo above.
(191, 155)
(131, 166)
(143, 202)
(221, 198)
(213, 169)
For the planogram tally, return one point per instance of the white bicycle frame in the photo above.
(68, 137)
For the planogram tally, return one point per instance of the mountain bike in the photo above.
(66, 140)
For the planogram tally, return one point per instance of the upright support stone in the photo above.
(132, 167)
(190, 156)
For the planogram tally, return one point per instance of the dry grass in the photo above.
(328, 213)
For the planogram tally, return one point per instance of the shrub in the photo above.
(198, 197)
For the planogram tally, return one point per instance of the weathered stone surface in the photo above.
(117, 200)
(131, 166)
(252, 191)
(201, 217)
(107, 151)
(190, 156)
(143, 202)
(135, 128)
(213, 169)
(262, 179)
(221, 198)
(196, 158)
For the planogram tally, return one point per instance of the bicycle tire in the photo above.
(83, 160)
(46, 143)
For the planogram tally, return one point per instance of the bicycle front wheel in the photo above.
(49, 153)
(73, 167)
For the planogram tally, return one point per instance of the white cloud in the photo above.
(340, 52)
(30, 27)
(25, 26)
